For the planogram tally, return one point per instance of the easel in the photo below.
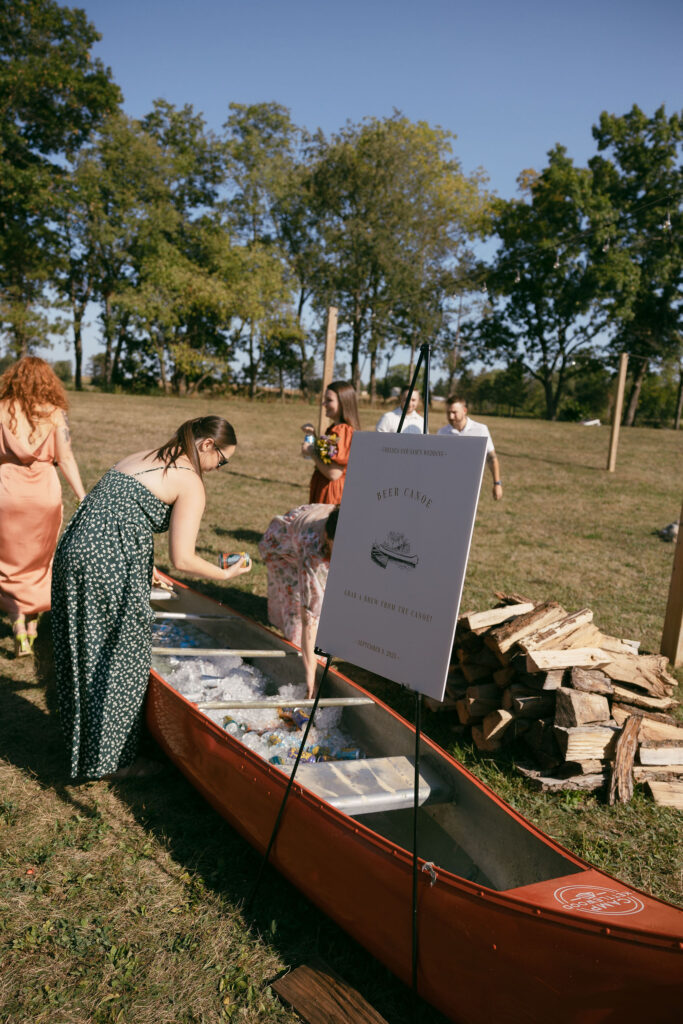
(423, 357)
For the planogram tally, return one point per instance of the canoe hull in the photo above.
(522, 955)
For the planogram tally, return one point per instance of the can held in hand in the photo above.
(308, 439)
(226, 559)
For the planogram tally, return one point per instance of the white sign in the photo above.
(400, 553)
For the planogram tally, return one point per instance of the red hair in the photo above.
(31, 384)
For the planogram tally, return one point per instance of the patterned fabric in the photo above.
(30, 520)
(101, 621)
(329, 492)
(292, 548)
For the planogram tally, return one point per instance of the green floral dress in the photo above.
(101, 621)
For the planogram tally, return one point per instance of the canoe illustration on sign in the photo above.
(396, 548)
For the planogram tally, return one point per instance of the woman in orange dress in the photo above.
(330, 452)
(34, 439)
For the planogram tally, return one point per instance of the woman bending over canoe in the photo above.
(102, 575)
(296, 548)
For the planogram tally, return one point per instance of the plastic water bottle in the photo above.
(308, 439)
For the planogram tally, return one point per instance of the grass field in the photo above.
(123, 902)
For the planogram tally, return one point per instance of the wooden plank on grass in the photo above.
(320, 996)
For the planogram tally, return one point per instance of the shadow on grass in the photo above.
(268, 480)
(177, 818)
(246, 536)
(578, 461)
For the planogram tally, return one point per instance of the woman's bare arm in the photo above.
(65, 456)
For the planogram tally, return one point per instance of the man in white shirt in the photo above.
(460, 425)
(413, 423)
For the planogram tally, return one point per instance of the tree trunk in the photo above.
(630, 419)
(355, 349)
(373, 376)
(108, 340)
(303, 358)
(679, 400)
(78, 354)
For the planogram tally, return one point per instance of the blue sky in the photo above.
(509, 79)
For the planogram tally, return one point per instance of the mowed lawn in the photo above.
(123, 903)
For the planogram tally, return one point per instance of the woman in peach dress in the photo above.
(34, 439)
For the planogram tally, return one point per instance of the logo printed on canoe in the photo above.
(598, 900)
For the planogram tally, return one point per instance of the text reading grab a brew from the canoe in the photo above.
(387, 605)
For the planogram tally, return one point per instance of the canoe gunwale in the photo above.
(510, 900)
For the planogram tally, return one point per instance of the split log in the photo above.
(533, 705)
(621, 781)
(618, 645)
(474, 672)
(584, 742)
(584, 657)
(644, 671)
(502, 638)
(552, 635)
(592, 766)
(640, 700)
(552, 784)
(487, 746)
(652, 725)
(495, 723)
(655, 772)
(590, 680)
(481, 655)
(553, 679)
(504, 676)
(667, 794)
(576, 708)
(661, 752)
(541, 740)
(495, 616)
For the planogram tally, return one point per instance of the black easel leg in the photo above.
(416, 795)
(276, 826)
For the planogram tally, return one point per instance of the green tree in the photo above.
(52, 96)
(395, 215)
(638, 235)
(543, 287)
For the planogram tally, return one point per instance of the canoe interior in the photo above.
(461, 827)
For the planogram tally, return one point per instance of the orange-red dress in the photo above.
(30, 518)
(329, 492)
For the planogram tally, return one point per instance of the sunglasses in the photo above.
(222, 461)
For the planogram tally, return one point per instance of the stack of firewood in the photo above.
(590, 710)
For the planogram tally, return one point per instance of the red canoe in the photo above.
(511, 927)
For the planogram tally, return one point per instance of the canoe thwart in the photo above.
(278, 702)
(217, 652)
(372, 784)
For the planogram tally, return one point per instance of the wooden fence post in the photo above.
(328, 364)
(672, 634)
(616, 413)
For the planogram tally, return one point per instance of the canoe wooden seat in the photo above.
(372, 784)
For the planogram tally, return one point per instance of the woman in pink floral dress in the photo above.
(296, 548)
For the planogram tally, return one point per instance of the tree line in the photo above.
(212, 257)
